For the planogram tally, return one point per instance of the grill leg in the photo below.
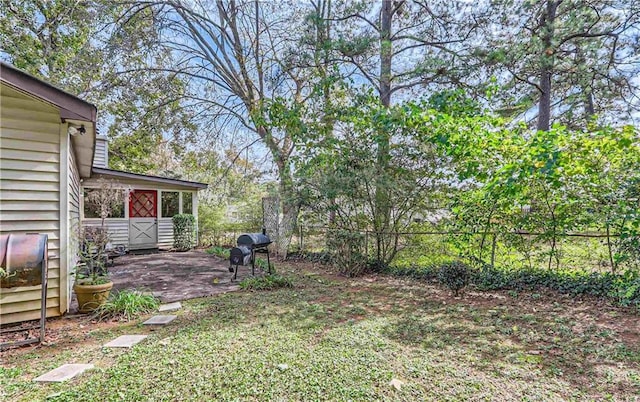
(43, 304)
(268, 261)
(253, 262)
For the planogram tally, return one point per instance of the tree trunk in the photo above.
(386, 52)
(546, 65)
(290, 208)
(493, 251)
(382, 208)
(589, 108)
(609, 247)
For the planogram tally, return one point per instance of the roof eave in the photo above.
(154, 179)
(71, 107)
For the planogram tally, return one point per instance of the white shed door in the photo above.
(143, 222)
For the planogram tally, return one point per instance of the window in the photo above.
(170, 203)
(187, 203)
(92, 204)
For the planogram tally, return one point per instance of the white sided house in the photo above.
(47, 146)
(144, 220)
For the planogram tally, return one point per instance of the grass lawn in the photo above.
(332, 338)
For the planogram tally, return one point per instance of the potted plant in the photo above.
(92, 284)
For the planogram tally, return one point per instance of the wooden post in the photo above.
(493, 251)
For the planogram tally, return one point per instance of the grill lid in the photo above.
(254, 240)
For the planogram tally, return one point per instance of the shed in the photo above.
(145, 219)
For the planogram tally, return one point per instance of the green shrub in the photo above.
(267, 282)
(263, 264)
(347, 252)
(184, 232)
(627, 289)
(219, 251)
(126, 305)
(455, 275)
(622, 289)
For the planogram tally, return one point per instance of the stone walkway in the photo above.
(69, 371)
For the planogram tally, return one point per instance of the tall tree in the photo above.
(239, 61)
(82, 47)
(567, 58)
(396, 47)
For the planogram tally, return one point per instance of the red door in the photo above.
(143, 204)
(143, 224)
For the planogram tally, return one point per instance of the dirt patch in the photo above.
(62, 333)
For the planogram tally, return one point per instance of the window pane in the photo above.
(92, 207)
(187, 203)
(170, 204)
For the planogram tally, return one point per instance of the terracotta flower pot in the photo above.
(90, 297)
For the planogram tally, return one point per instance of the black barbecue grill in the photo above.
(248, 245)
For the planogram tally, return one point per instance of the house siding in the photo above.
(74, 222)
(101, 156)
(118, 229)
(165, 233)
(30, 194)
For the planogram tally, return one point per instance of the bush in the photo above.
(347, 252)
(622, 289)
(455, 275)
(267, 282)
(126, 305)
(184, 226)
(219, 251)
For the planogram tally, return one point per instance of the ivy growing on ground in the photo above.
(621, 289)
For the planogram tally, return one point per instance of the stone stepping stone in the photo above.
(125, 341)
(170, 306)
(160, 320)
(64, 372)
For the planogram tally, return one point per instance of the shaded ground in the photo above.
(333, 338)
(175, 276)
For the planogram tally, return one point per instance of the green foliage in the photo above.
(126, 305)
(184, 230)
(267, 282)
(50, 39)
(347, 252)
(454, 103)
(92, 256)
(622, 289)
(89, 49)
(455, 275)
(363, 188)
(263, 264)
(4, 274)
(219, 251)
(590, 85)
(546, 183)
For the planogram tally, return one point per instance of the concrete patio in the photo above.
(174, 276)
